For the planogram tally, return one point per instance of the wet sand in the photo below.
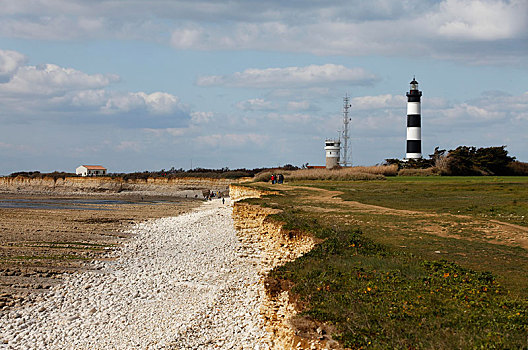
(42, 237)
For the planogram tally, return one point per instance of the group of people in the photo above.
(277, 179)
(209, 195)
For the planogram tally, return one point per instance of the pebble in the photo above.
(184, 282)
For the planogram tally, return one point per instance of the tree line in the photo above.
(467, 161)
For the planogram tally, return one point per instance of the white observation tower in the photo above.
(332, 149)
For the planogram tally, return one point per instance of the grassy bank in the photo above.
(426, 277)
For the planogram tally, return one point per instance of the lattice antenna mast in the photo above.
(345, 160)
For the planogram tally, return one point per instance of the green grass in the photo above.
(379, 298)
(501, 198)
(379, 279)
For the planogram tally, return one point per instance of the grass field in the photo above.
(432, 262)
(504, 198)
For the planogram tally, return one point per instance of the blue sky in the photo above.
(145, 85)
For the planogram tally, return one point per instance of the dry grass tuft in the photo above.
(353, 173)
(331, 175)
(264, 176)
(377, 172)
(419, 172)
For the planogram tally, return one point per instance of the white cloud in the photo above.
(305, 93)
(301, 106)
(426, 28)
(9, 63)
(232, 140)
(161, 102)
(187, 38)
(481, 20)
(378, 102)
(89, 98)
(291, 77)
(295, 118)
(13, 147)
(50, 79)
(255, 104)
(43, 90)
(154, 103)
(128, 146)
(202, 117)
(484, 112)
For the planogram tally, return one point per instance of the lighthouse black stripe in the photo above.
(413, 98)
(414, 146)
(414, 120)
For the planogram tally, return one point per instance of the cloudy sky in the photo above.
(143, 85)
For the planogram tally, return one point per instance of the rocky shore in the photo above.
(45, 237)
(184, 282)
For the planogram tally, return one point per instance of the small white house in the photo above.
(90, 170)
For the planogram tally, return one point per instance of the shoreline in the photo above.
(190, 274)
(38, 245)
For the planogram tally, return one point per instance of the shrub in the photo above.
(466, 160)
(38, 175)
(518, 168)
(263, 176)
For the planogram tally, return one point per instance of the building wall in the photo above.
(332, 150)
(332, 162)
(83, 171)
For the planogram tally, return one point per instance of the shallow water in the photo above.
(64, 203)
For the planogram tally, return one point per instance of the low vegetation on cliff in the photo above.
(463, 161)
(377, 172)
(410, 262)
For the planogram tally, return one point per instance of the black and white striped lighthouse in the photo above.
(414, 122)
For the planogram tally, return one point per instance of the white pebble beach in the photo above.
(184, 282)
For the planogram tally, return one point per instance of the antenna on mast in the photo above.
(345, 161)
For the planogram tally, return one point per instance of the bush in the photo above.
(264, 176)
(466, 160)
(518, 168)
(38, 175)
(420, 163)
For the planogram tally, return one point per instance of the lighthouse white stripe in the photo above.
(414, 133)
(413, 155)
(413, 108)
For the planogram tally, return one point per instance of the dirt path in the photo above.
(443, 225)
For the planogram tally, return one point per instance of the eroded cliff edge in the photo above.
(104, 184)
(278, 246)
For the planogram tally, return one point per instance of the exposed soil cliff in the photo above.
(278, 246)
(76, 185)
(240, 192)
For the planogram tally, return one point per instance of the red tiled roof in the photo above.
(94, 167)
